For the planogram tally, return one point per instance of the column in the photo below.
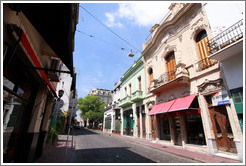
(207, 125)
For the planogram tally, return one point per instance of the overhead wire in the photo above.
(92, 36)
(110, 29)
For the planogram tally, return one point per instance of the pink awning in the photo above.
(173, 105)
(161, 108)
(182, 103)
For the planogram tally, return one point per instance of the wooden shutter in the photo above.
(203, 51)
(171, 67)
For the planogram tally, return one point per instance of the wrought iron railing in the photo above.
(227, 37)
(204, 64)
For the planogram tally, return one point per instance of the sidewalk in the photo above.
(58, 153)
(201, 157)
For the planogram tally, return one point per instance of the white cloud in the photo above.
(111, 20)
(139, 13)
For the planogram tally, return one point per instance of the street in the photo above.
(96, 147)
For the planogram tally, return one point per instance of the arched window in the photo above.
(203, 50)
(150, 76)
(171, 66)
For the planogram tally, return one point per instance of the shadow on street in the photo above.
(84, 131)
(109, 155)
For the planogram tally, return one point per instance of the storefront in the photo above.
(128, 122)
(178, 121)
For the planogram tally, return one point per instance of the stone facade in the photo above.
(104, 94)
(177, 65)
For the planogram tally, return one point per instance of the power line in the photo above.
(109, 28)
(122, 48)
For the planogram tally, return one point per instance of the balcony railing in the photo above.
(137, 95)
(125, 101)
(204, 64)
(227, 37)
(166, 77)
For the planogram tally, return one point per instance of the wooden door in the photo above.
(171, 67)
(152, 118)
(138, 122)
(143, 125)
(222, 129)
(143, 122)
(203, 51)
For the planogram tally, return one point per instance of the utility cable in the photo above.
(109, 28)
(122, 48)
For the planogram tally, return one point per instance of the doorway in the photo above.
(222, 129)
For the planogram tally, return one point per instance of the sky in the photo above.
(106, 33)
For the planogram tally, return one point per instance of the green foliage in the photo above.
(91, 108)
(52, 135)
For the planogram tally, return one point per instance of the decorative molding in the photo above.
(150, 104)
(210, 86)
(200, 19)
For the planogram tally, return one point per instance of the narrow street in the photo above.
(95, 147)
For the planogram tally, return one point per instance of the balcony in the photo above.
(170, 79)
(227, 43)
(137, 95)
(115, 106)
(126, 101)
(204, 64)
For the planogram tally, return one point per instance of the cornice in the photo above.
(166, 25)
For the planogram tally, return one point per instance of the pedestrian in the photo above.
(101, 127)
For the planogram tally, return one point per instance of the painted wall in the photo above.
(234, 73)
(65, 84)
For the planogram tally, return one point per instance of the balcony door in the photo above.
(171, 66)
(203, 50)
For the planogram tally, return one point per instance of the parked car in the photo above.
(77, 126)
(82, 126)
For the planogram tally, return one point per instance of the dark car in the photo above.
(77, 127)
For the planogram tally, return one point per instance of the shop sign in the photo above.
(220, 98)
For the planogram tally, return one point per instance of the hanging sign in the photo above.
(220, 98)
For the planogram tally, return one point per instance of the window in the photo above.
(125, 91)
(139, 83)
(171, 66)
(203, 50)
(237, 95)
(130, 89)
(150, 76)
(165, 129)
(194, 128)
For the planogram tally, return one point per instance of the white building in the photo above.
(65, 85)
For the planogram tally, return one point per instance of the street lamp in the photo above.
(131, 54)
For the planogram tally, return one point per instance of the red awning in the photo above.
(173, 105)
(161, 108)
(32, 55)
(182, 103)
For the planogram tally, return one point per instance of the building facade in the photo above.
(132, 102)
(105, 95)
(112, 122)
(30, 57)
(182, 83)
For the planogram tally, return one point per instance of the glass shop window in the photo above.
(194, 129)
(165, 130)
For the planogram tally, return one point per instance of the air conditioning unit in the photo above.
(55, 65)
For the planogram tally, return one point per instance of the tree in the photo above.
(91, 108)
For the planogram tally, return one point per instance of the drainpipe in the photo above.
(13, 28)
